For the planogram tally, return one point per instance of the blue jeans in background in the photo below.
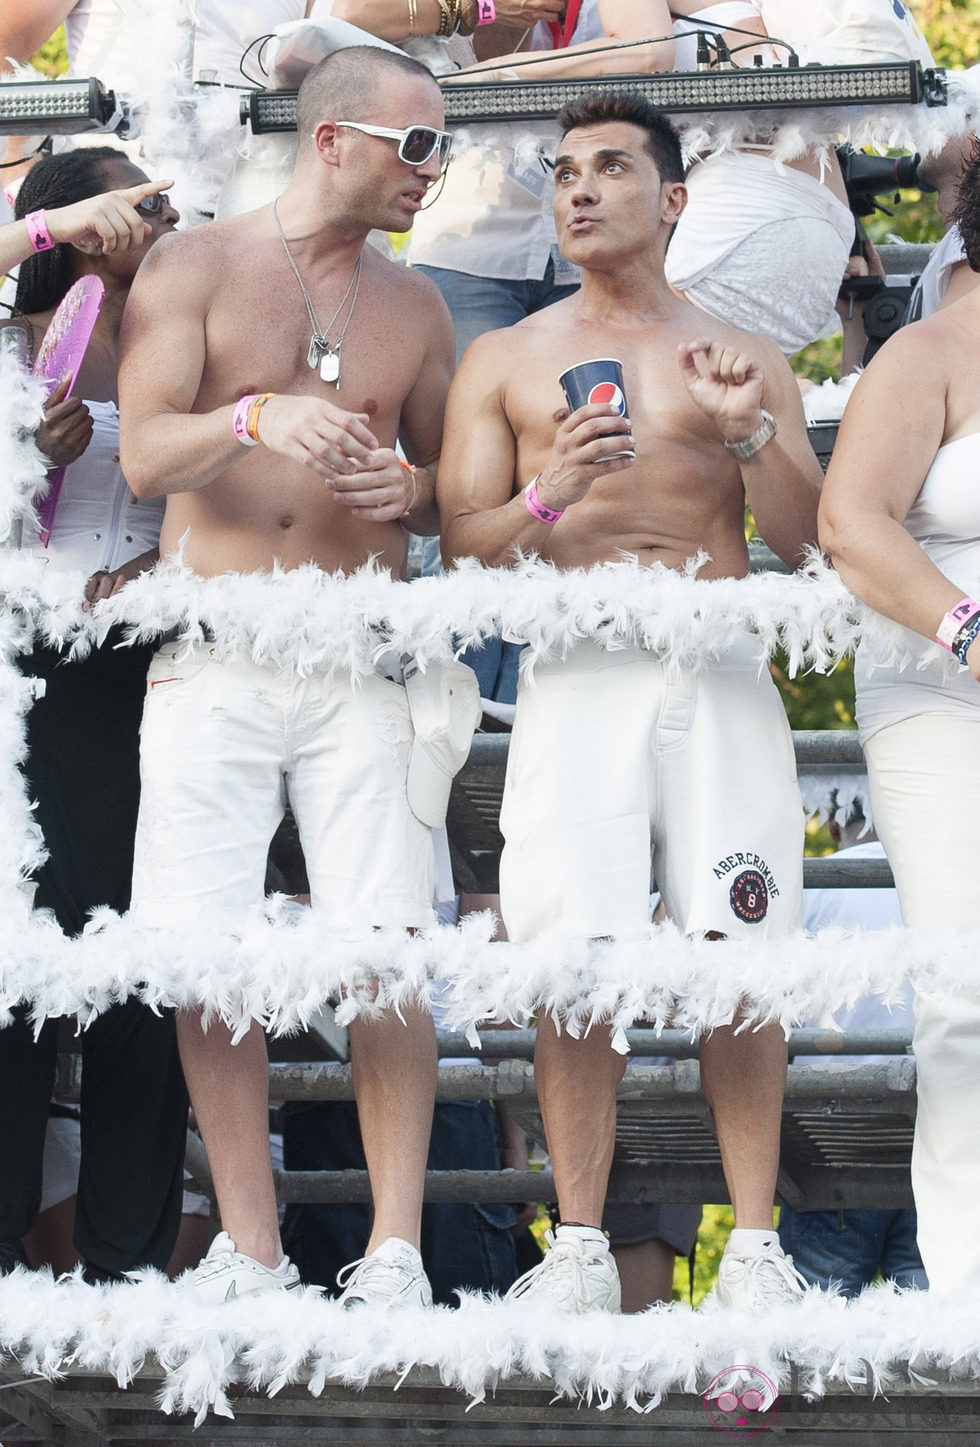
(463, 1246)
(851, 1247)
(484, 303)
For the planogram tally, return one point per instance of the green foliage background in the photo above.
(814, 702)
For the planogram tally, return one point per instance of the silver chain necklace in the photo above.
(323, 356)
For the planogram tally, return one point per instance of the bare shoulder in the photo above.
(204, 252)
(923, 349)
(183, 254)
(413, 288)
(416, 300)
(488, 360)
(534, 339)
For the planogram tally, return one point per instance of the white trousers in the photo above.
(924, 778)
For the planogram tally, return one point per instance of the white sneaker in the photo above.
(756, 1281)
(225, 1274)
(391, 1276)
(577, 1274)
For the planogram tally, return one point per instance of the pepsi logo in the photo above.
(608, 395)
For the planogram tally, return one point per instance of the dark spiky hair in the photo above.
(967, 212)
(662, 142)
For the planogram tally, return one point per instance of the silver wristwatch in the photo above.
(756, 440)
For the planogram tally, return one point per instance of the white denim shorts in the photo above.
(617, 758)
(225, 744)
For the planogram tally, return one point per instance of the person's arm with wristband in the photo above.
(875, 474)
(487, 513)
(398, 20)
(639, 38)
(100, 224)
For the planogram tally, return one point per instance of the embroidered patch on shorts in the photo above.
(749, 896)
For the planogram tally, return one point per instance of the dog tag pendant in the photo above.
(318, 345)
(330, 366)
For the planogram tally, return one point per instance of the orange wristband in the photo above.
(415, 486)
(252, 425)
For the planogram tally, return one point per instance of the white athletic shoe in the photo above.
(225, 1274)
(757, 1281)
(391, 1276)
(577, 1274)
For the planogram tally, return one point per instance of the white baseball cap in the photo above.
(444, 701)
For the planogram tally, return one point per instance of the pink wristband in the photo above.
(486, 12)
(239, 420)
(37, 230)
(536, 507)
(953, 621)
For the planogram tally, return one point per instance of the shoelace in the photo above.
(374, 1276)
(560, 1263)
(214, 1262)
(770, 1275)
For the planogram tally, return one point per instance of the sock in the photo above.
(575, 1232)
(392, 1247)
(746, 1242)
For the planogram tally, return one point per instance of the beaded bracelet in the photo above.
(536, 507)
(37, 230)
(963, 612)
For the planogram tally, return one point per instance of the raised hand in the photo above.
(725, 383)
(103, 224)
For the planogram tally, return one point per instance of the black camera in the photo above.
(868, 177)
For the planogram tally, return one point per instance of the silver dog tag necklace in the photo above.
(323, 356)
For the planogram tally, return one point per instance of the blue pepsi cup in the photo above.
(597, 381)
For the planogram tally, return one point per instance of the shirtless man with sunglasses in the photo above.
(356, 353)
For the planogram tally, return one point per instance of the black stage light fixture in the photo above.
(751, 88)
(58, 107)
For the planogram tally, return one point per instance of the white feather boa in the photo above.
(316, 621)
(822, 1345)
(282, 973)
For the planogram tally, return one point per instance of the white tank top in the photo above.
(945, 521)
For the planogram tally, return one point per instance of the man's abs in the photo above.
(213, 533)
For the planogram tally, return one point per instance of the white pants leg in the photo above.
(924, 777)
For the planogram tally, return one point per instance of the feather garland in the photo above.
(822, 1346)
(23, 470)
(282, 973)
(316, 621)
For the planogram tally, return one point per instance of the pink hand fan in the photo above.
(61, 352)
